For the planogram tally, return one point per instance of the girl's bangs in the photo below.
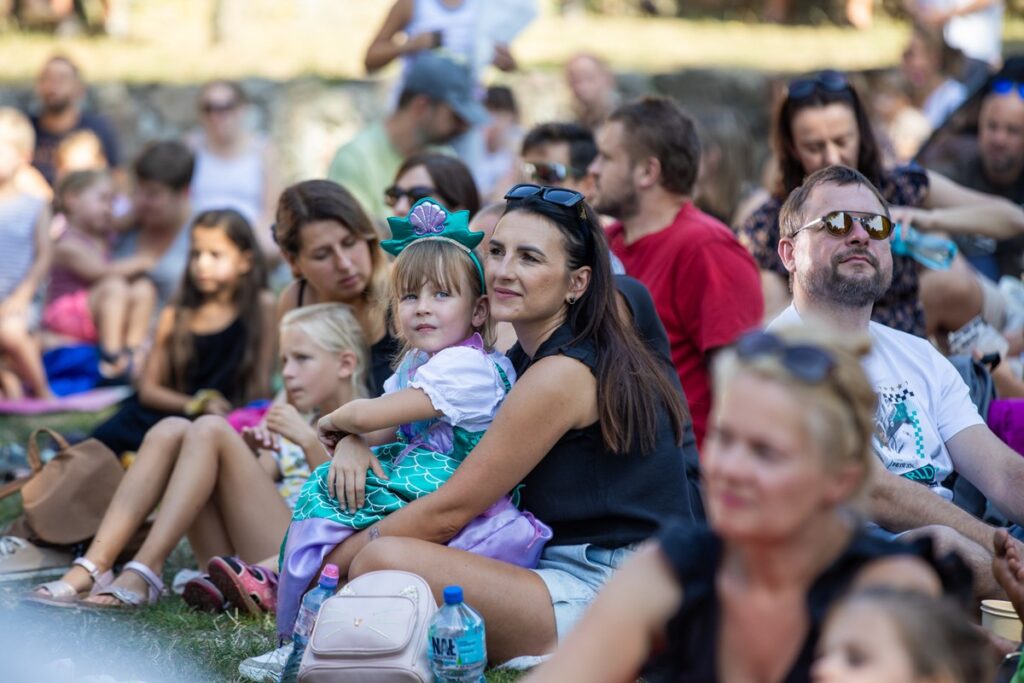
(442, 265)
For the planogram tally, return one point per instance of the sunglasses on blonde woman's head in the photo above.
(1004, 86)
(807, 362)
(839, 224)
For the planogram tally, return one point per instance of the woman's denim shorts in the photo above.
(574, 574)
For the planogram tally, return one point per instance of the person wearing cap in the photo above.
(436, 105)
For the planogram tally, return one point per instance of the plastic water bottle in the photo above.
(304, 623)
(931, 251)
(456, 641)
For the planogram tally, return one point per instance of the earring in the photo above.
(572, 300)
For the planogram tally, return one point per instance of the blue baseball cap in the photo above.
(445, 80)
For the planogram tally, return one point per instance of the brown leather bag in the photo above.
(64, 500)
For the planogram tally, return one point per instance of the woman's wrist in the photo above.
(197, 404)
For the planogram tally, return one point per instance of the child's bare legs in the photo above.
(108, 301)
(10, 385)
(24, 354)
(142, 299)
(215, 469)
(136, 496)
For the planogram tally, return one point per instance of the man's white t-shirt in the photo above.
(922, 403)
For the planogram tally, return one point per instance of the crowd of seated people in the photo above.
(742, 447)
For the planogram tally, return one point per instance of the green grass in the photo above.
(169, 41)
(166, 642)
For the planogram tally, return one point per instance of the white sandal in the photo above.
(60, 593)
(128, 598)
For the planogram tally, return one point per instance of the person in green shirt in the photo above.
(436, 105)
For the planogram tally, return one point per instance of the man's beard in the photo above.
(828, 284)
(622, 207)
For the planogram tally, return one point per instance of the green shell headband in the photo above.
(428, 220)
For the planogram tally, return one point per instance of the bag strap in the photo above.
(33, 446)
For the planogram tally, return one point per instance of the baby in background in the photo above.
(92, 298)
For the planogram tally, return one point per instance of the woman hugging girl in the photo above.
(437, 405)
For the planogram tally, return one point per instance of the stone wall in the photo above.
(309, 118)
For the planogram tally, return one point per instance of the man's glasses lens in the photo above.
(546, 173)
(839, 223)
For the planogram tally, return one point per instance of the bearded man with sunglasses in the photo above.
(835, 244)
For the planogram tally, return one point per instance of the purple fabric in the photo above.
(1006, 420)
(502, 532)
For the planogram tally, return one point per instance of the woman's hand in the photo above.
(259, 438)
(347, 477)
(921, 219)
(284, 419)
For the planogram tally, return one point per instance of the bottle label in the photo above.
(466, 650)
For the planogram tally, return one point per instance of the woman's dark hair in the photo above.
(454, 183)
(631, 385)
(181, 351)
(326, 200)
(791, 171)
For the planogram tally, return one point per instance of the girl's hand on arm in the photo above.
(217, 405)
(259, 438)
(347, 477)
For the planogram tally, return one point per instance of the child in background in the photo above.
(90, 298)
(884, 635)
(214, 347)
(435, 408)
(79, 151)
(211, 488)
(25, 257)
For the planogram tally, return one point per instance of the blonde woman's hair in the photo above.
(333, 328)
(16, 129)
(839, 411)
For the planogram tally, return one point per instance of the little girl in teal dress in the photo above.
(435, 409)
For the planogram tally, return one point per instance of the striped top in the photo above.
(18, 216)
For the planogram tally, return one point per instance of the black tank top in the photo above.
(588, 494)
(694, 552)
(216, 361)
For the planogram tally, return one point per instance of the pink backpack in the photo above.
(373, 631)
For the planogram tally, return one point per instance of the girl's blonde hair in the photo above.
(443, 265)
(839, 411)
(16, 129)
(333, 328)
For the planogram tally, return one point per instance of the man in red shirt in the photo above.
(705, 285)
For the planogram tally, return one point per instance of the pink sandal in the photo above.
(60, 593)
(127, 599)
(249, 587)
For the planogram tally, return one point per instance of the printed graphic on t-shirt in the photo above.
(901, 441)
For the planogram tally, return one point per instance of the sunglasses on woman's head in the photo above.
(839, 224)
(1004, 86)
(808, 363)
(827, 81)
(559, 196)
(395, 193)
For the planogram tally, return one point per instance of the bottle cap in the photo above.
(329, 576)
(452, 595)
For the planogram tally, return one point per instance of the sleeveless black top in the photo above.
(588, 494)
(216, 360)
(695, 553)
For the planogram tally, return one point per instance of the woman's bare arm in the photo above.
(555, 395)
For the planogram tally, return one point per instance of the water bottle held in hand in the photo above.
(456, 642)
(304, 623)
(931, 251)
